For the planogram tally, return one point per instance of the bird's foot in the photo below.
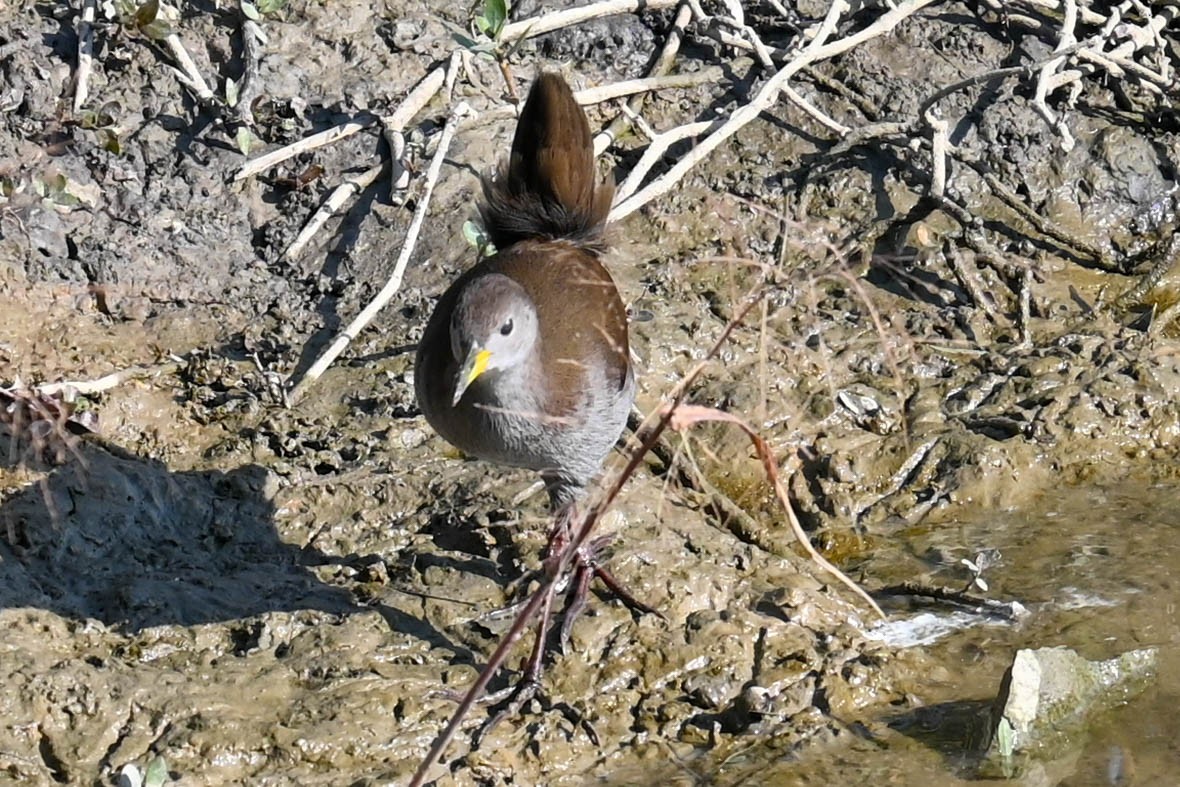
(508, 702)
(528, 696)
(587, 568)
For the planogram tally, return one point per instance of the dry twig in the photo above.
(817, 50)
(964, 271)
(1051, 79)
(686, 416)
(417, 98)
(1008, 610)
(253, 38)
(391, 287)
(1161, 321)
(318, 140)
(1024, 313)
(394, 124)
(188, 74)
(106, 382)
(661, 67)
(1167, 259)
(340, 195)
(41, 426)
(630, 87)
(528, 28)
(85, 53)
(899, 479)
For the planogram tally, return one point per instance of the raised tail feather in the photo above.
(547, 187)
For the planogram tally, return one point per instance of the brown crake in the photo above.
(525, 360)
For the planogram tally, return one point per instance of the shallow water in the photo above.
(1098, 569)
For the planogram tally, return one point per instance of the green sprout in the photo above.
(491, 22)
(246, 140)
(155, 775)
(256, 11)
(151, 18)
(55, 188)
(102, 122)
(489, 26)
(477, 237)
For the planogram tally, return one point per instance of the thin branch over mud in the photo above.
(687, 416)
(41, 426)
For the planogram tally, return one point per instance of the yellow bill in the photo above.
(473, 366)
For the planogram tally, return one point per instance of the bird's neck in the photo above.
(520, 388)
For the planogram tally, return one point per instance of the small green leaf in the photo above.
(250, 11)
(464, 41)
(477, 238)
(271, 7)
(110, 141)
(125, 10)
(56, 183)
(1006, 738)
(245, 140)
(483, 24)
(472, 233)
(146, 13)
(157, 30)
(156, 774)
(495, 13)
(231, 91)
(487, 48)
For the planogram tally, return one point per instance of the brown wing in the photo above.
(584, 319)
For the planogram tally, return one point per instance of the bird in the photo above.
(525, 359)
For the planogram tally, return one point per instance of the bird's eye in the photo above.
(506, 328)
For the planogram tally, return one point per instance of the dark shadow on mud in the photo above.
(124, 540)
(959, 730)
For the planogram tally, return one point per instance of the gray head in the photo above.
(493, 327)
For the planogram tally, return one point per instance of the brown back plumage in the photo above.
(547, 189)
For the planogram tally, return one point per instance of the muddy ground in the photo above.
(280, 595)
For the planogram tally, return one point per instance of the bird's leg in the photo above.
(587, 561)
(579, 591)
(529, 685)
(528, 688)
(587, 568)
(583, 569)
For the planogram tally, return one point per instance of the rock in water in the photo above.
(1049, 693)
